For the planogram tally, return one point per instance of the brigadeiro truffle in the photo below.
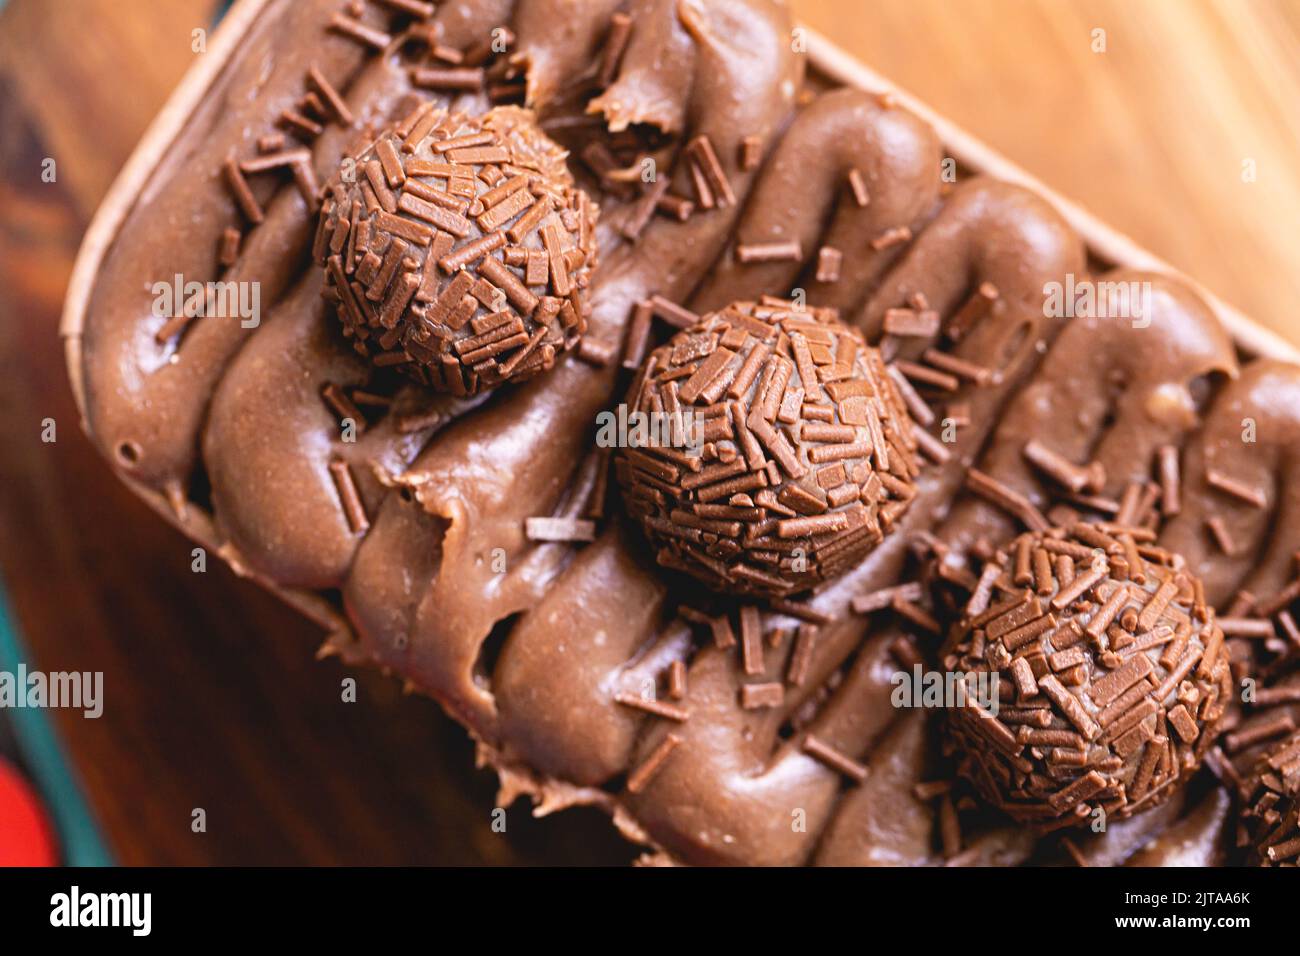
(1271, 806)
(785, 456)
(1111, 675)
(458, 249)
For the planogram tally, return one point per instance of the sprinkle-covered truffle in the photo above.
(1270, 813)
(457, 249)
(785, 453)
(1111, 675)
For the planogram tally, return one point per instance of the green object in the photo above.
(79, 837)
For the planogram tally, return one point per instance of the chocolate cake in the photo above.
(474, 545)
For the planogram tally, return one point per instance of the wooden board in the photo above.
(1150, 135)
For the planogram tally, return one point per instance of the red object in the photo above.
(26, 837)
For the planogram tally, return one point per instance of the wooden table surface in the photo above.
(1152, 135)
(212, 699)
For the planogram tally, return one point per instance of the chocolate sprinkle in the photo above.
(705, 160)
(769, 252)
(677, 680)
(1171, 499)
(1075, 478)
(829, 263)
(858, 186)
(656, 707)
(1237, 489)
(620, 30)
(1271, 805)
(640, 778)
(330, 96)
(448, 79)
(244, 197)
(349, 497)
(975, 308)
(228, 251)
(760, 696)
(369, 36)
(1011, 501)
(834, 759)
(801, 656)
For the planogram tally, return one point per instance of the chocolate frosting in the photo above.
(268, 419)
(883, 822)
(1264, 538)
(1111, 391)
(801, 198)
(146, 399)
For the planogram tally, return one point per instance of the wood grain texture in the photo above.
(90, 99)
(1150, 135)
